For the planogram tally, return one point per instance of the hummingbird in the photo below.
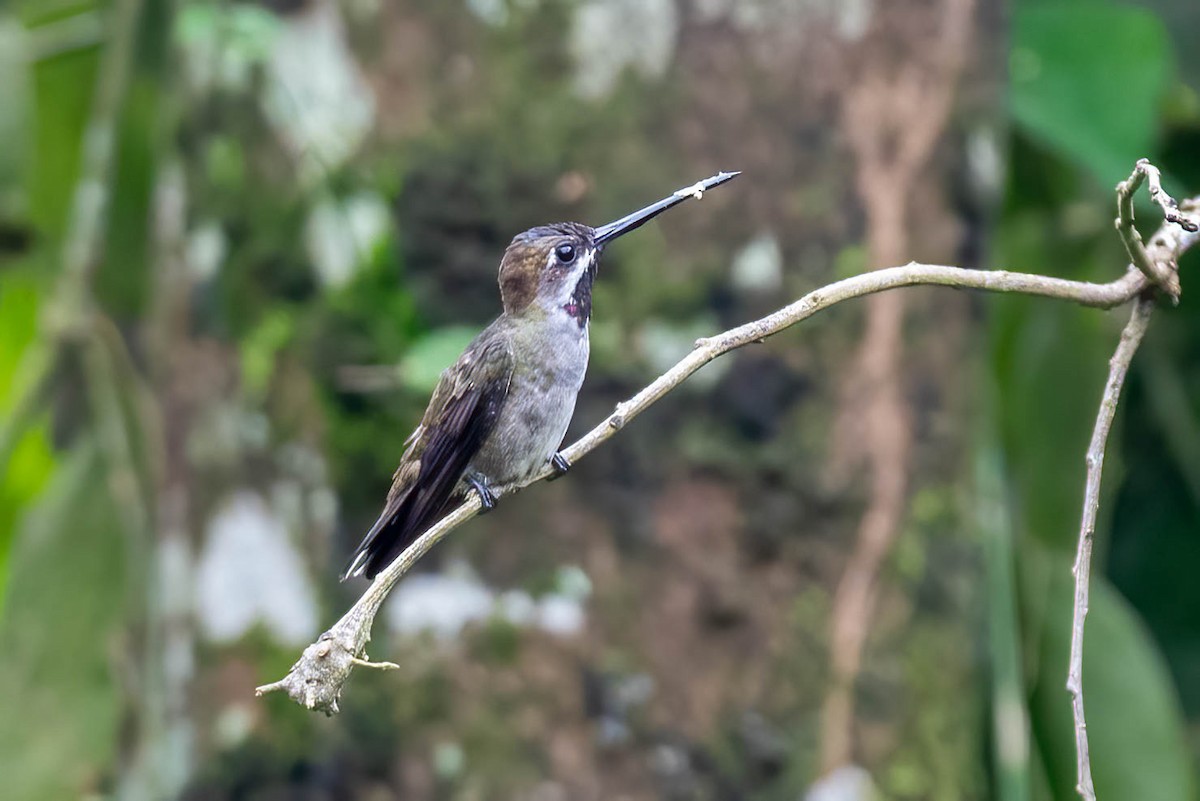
(499, 414)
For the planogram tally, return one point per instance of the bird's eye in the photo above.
(565, 252)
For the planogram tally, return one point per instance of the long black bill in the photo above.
(631, 222)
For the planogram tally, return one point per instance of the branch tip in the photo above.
(367, 663)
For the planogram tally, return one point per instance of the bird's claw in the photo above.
(487, 498)
(560, 465)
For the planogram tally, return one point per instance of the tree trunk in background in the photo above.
(688, 610)
(893, 116)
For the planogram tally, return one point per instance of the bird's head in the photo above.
(550, 269)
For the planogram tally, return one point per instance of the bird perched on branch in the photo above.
(499, 413)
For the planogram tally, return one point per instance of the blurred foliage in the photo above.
(63, 649)
(1089, 80)
(1077, 133)
(1135, 728)
(276, 309)
(27, 454)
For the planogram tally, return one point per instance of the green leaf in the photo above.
(62, 99)
(244, 32)
(26, 472)
(1135, 726)
(14, 117)
(19, 304)
(1087, 79)
(1049, 362)
(422, 366)
(58, 733)
(26, 456)
(261, 346)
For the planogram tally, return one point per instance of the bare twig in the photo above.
(1131, 337)
(1172, 213)
(1159, 264)
(315, 681)
(1160, 271)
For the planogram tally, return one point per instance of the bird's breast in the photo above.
(536, 411)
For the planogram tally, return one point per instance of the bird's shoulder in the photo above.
(484, 367)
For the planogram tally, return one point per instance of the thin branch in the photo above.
(1131, 337)
(1160, 272)
(316, 680)
(1159, 264)
(1171, 210)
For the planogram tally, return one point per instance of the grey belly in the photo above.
(532, 423)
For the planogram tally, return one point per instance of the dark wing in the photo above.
(460, 416)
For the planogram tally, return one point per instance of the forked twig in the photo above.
(1158, 263)
(1160, 271)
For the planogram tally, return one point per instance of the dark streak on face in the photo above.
(542, 257)
(580, 305)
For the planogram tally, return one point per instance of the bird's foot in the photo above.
(560, 466)
(487, 498)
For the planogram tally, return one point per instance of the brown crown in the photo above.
(525, 258)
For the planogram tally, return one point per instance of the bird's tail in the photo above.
(405, 518)
(382, 543)
(358, 562)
